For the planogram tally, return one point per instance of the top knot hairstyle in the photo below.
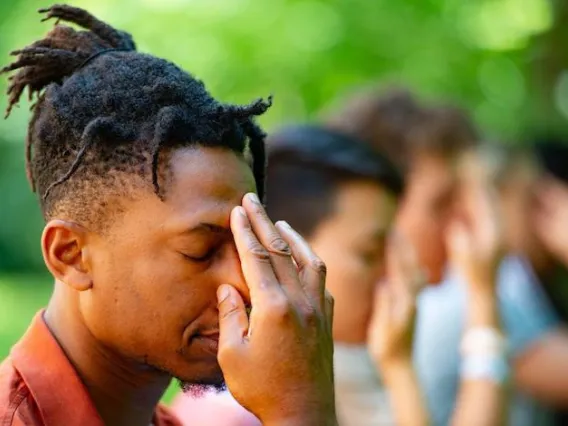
(104, 111)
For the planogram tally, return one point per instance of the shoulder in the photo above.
(17, 406)
(525, 309)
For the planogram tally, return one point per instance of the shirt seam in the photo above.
(13, 407)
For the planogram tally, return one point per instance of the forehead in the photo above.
(207, 179)
(203, 186)
(363, 208)
(435, 174)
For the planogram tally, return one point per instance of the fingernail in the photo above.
(253, 198)
(241, 211)
(284, 224)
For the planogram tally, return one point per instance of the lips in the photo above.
(209, 342)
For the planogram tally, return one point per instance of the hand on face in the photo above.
(279, 362)
(391, 331)
(551, 218)
(475, 241)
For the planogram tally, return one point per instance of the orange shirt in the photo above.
(40, 387)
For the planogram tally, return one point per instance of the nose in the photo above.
(230, 272)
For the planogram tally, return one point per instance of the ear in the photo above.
(64, 248)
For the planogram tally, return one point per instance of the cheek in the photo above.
(352, 285)
(426, 232)
(517, 226)
(139, 297)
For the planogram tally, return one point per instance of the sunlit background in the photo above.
(505, 60)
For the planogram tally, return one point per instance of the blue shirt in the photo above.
(526, 316)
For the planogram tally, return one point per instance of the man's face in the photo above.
(352, 244)
(426, 209)
(156, 270)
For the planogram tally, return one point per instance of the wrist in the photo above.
(483, 308)
(303, 415)
(395, 368)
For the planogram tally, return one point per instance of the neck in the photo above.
(123, 391)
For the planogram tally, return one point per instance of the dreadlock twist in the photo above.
(103, 110)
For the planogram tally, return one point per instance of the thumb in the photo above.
(382, 304)
(233, 319)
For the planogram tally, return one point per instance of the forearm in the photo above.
(405, 395)
(542, 371)
(481, 399)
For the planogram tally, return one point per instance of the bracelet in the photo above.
(485, 367)
(483, 341)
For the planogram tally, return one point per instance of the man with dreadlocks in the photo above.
(159, 246)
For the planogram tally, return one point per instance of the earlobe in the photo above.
(65, 252)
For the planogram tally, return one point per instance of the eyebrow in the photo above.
(207, 227)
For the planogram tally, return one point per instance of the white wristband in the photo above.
(483, 341)
(484, 367)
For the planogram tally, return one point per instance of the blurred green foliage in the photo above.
(504, 60)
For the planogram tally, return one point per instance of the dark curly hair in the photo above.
(105, 113)
(399, 126)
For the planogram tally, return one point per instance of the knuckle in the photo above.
(278, 245)
(228, 309)
(310, 315)
(329, 299)
(318, 266)
(258, 251)
(258, 210)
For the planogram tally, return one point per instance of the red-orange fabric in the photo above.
(40, 387)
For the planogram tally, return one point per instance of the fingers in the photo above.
(255, 261)
(480, 201)
(277, 247)
(312, 269)
(403, 266)
(384, 299)
(233, 319)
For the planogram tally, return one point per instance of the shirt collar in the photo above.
(60, 395)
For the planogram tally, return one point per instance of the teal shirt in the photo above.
(527, 316)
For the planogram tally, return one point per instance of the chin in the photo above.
(197, 376)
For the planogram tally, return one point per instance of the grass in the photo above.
(21, 296)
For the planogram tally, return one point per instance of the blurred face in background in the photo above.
(352, 244)
(518, 191)
(517, 195)
(426, 209)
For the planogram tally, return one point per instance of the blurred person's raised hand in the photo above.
(475, 248)
(279, 362)
(391, 329)
(551, 217)
(475, 240)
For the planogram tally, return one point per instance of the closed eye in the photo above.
(200, 259)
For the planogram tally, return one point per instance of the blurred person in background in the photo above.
(427, 144)
(532, 184)
(342, 196)
(547, 220)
